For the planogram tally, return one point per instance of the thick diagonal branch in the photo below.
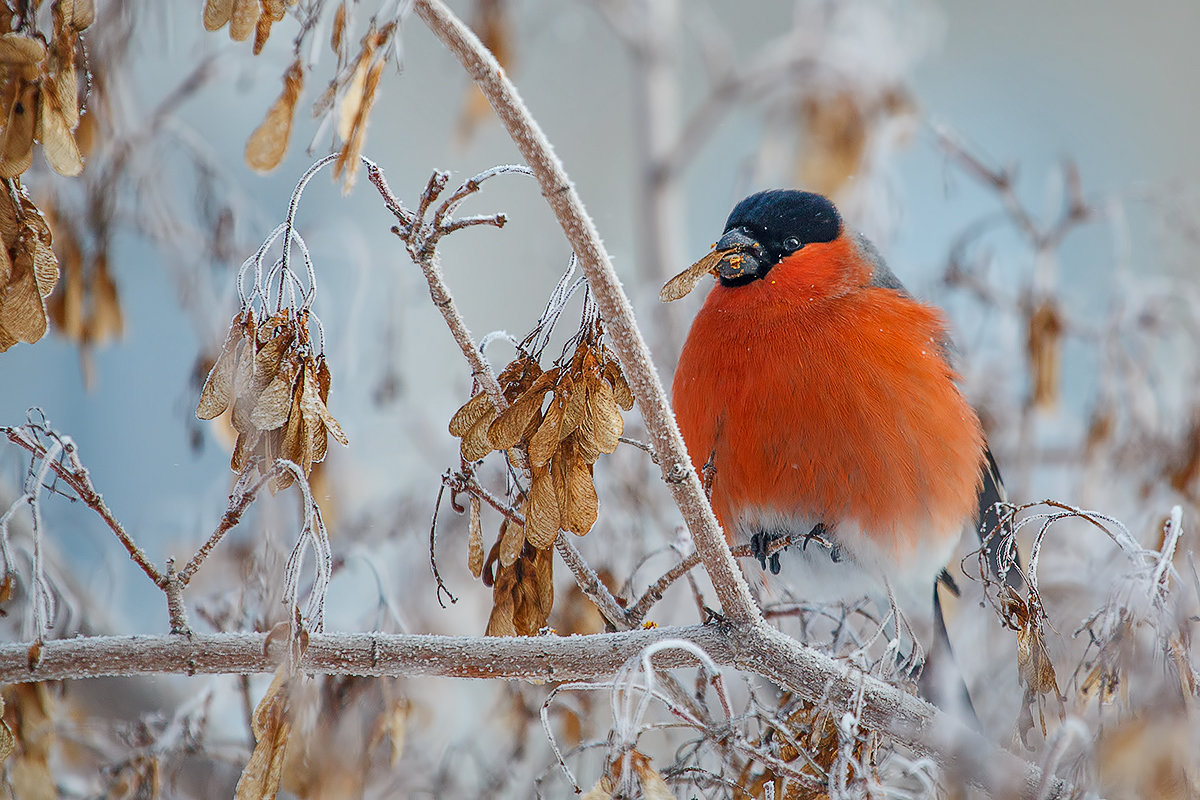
(627, 340)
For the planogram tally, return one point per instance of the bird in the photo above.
(820, 399)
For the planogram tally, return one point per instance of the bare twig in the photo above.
(75, 475)
(591, 584)
(421, 236)
(245, 489)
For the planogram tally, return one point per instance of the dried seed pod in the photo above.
(519, 375)
(683, 283)
(247, 441)
(500, 622)
(217, 13)
(616, 379)
(272, 725)
(22, 310)
(243, 19)
(16, 151)
(512, 542)
(576, 406)
(267, 145)
(19, 50)
(475, 442)
(271, 410)
(509, 427)
(544, 441)
(472, 411)
(314, 407)
(218, 387)
(542, 510)
(603, 418)
(475, 539)
(105, 321)
(574, 489)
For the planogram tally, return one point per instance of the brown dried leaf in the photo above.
(271, 725)
(262, 32)
(218, 387)
(603, 420)
(545, 440)
(352, 93)
(1034, 669)
(683, 283)
(542, 511)
(267, 145)
(475, 540)
(243, 19)
(324, 378)
(17, 49)
(16, 152)
(472, 411)
(217, 13)
(509, 427)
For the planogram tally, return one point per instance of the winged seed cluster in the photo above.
(28, 269)
(40, 101)
(277, 390)
(557, 442)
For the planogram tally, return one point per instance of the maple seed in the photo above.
(475, 542)
(683, 283)
(268, 144)
(272, 726)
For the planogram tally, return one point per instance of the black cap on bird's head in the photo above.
(769, 226)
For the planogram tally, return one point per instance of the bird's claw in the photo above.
(760, 548)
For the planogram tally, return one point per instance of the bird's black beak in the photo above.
(744, 260)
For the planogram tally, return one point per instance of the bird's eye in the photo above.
(791, 243)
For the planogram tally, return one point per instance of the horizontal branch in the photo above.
(758, 649)
(553, 658)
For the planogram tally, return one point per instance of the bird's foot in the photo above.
(760, 548)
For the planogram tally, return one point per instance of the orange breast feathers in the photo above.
(819, 396)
